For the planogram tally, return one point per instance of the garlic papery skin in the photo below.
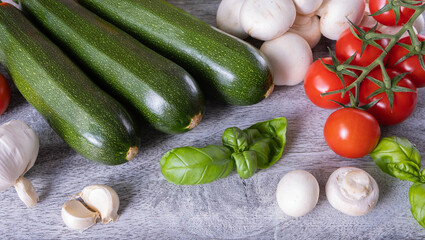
(352, 191)
(102, 199)
(19, 147)
(76, 216)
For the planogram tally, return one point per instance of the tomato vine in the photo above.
(369, 38)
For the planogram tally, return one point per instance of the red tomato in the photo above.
(348, 44)
(351, 133)
(388, 18)
(412, 65)
(320, 80)
(404, 102)
(4, 94)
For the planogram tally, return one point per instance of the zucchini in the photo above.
(159, 90)
(225, 66)
(90, 121)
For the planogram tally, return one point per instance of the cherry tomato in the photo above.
(348, 44)
(412, 65)
(388, 18)
(4, 94)
(320, 80)
(403, 105)
(351, 133)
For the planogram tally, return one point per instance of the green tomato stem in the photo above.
(380, 60)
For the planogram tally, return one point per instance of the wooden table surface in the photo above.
(231, 208)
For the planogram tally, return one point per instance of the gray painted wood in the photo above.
(230, 208)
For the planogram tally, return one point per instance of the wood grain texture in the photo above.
(231, 208)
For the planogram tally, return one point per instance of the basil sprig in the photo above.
(399, 158)
(258, 146)
(190, 166)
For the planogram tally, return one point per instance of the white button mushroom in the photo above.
(368, 21)
(308, 27)
(419, 23)
(228, 18)
(334, 14)
(290, 57)
(297, 193)
(352, 191)
(306, 7)
(266, 20)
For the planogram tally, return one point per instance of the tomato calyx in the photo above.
(368, 37)
(417, 49)
(395, 6)
(355, 105)
(340, 68)
(388, 90)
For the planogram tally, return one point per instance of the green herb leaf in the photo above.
(417, 202)
(405, 170)
(246, 163)
(190, 165)
(267, 149)
(235, 139)
(268, 142)
(397, 157)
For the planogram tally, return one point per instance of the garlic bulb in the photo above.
(18, 151)
(102, 199)
(76, 216)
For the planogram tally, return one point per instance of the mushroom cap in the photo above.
(306, 7)
(266, 20)
(290, 56)
(334, 14)
(228, 18)
(297, 193)
(352, 191)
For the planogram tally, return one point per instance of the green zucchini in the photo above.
(225, 66)
(90, 121)
(159, 90)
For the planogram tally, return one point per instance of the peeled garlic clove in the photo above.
(26, 192)
(102, 199)
(76, 216)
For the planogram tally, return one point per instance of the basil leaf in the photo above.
(246, 163)
(235, 139)
(265, 149)
(190, 165)
(405, 170)
(393, 150)
(253, 135)
(268, 140)
(417, 202)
